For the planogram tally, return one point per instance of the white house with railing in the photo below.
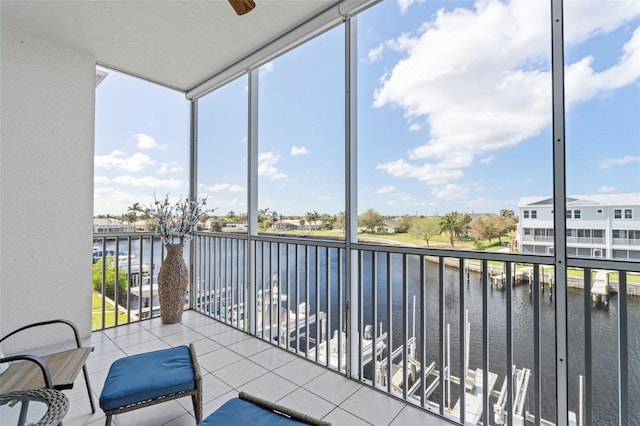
(599, 226)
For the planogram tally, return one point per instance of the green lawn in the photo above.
(96, 313)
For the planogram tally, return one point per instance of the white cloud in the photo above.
(405, 4)
(147, 181)
(608, 162)
(414, 127)
(480, 78)
(114, 201)
(488, 160)
(298, 150)
(170, 167)
(145, 141)
(224, 187)
(117, 159)
(605, 189)
(450, 192)
(375, 53)
(101, 180)
(267, 166)
(431, 174)
(266, 69)
(386, 189)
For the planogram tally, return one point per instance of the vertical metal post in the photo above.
(485, 343)
(508, 285)
(537, 354)
(360, 313)
(351, 196)
(252, 201)
(463, 342)
(588, 389)
(193, 189)
(405, 324)
(374, 313)
(286, 269)
(319, 323)
(423, 330)
(441, 334)
(327, 324)
(559, 206)
(623, 351)
(389, 321)
(307, 335)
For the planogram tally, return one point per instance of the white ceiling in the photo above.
(179, 44)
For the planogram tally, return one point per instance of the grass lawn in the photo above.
(96, 313)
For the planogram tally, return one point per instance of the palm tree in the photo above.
(132, 212)
(452, 224)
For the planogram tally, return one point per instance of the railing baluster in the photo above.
(588, 394)
(317, 310)
(389, 321)
(623, 354)
(441, 320)
(463, 343)
(374, 308)
(485, 341)
(327, 323)
(510, 371)
(405, 324)
(537, 356)
(423, 331)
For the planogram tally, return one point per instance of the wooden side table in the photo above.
(40, 407)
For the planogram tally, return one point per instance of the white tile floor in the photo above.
(232, 361)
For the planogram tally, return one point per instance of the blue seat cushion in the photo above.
(239, 412)
(150, 375)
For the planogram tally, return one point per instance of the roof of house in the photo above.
(631, 199)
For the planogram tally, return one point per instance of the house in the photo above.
(389, 226)
(101, 225)
(603, 226)
(287, 225)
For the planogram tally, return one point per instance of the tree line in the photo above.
(453, 224)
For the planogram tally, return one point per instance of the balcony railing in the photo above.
(626, 241)
(432, 327)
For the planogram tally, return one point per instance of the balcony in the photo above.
(303, 305)
(233, 361)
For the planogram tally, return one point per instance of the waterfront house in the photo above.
(111, 225)
(603, 226)
(48, 56)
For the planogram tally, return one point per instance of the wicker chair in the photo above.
(56, 371)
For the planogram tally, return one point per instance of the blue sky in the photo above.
(454, 113)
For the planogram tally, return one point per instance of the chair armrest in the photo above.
(38, 361)
(43, 323)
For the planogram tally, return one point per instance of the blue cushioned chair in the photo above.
(151, 378)
(248, 410)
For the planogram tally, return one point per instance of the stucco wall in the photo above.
(47, 99)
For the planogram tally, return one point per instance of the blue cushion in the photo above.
(147, 376)
(239, 412)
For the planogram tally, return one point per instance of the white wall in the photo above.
(47, 99)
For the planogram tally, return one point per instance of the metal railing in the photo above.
(432, 327)
(132, 260)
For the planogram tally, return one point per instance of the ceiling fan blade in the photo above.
(242, 6)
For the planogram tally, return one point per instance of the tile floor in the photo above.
(232, 361)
